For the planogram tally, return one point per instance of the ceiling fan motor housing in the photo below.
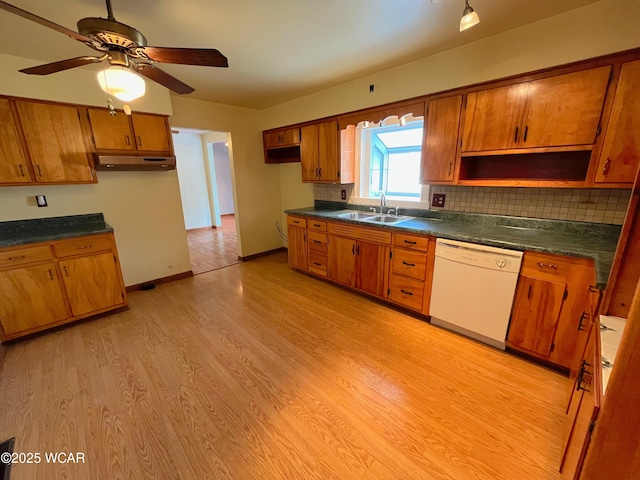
(110, 33)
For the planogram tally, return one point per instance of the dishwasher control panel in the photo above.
(479, 255)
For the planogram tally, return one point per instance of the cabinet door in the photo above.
(341, 260)
(30, 297)
(297, 247)
(55, 142)
(621, 150)
(92, 283)
(535, 316)
(582, 412)
(575, 319)
(492, 116)
(372, 266)
(151, 132)
(565, 109)
(441, 139)
(110, 132)
(328, 161)
(309, 153)
(13, 163)
(282, 139)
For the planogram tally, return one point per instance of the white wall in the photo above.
(192, 176)
(144, 208)
(224, 188)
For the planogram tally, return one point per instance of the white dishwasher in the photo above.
(473, 289)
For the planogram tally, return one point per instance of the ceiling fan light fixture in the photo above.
(469, 17)
(122, 83)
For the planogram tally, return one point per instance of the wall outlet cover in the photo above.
(438, 200)
(343, 195)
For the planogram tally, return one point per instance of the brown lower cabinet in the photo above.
(552, 312)
(585, 399)
(50, 284)
(394, 267)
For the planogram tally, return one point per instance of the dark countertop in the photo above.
(594, 241)
(21, 232)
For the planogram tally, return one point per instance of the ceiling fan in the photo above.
(124, 47)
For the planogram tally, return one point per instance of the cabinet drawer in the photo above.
(410, 264)
(404, 291)
(318, 225)
(21, 256)
(318, 263)
(544, 266)
(296, 221)
(414, 242)
(318, 242)
(83, 245)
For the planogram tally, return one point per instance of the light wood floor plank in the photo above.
(257, 371)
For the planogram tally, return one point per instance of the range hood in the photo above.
(131, 163)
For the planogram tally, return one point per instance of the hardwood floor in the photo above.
(257, 371)
(213, 248)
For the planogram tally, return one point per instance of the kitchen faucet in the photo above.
(383, 201)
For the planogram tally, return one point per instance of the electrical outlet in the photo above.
(344, 195)
(438, 200)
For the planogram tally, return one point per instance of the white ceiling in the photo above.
(277, 49)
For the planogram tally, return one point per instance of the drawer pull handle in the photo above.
(21, 171)
(18, 258)
(529, 293)
(316, 224)
(127, 139)
(84, 246)
(139, 141)
(593, 289)
(409, 264)
(66, 273)
(318, 264)
(410, 242)
(582, 317)
(526, 130)
(50, 274)
(607, 164)
(316, 241)
(547, 265)
(406, 292)
(296, 222)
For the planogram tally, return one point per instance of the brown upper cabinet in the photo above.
(55, 142)
(283, 138)
(439, 155)
(321, 156)
(14, 166)
(282, 146)
(558, 111)
(621, 150)
(137, 132)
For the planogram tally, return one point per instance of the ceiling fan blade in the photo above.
(163, 78)
(207, 57)
(54, 67)
(44, 22)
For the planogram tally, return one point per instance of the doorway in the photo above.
(206, 188)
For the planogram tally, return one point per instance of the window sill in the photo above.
(391, 202)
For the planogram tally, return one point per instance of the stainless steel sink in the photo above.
(391, 219)
(358, 215)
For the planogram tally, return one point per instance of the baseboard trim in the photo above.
(158, 281)
(200, 228)
(261, 254)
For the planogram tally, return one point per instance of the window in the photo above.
(389, 160)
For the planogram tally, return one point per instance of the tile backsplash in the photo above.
(593, 205)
